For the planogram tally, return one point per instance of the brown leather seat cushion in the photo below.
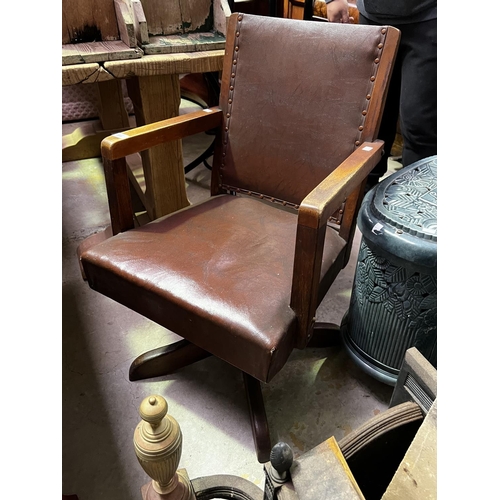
(234, 300)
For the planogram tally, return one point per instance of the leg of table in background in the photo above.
(112, 110)
(156, 98)
(85, 141)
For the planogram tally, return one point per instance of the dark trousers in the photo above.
(412, 96)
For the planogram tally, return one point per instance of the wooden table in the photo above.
(153, 86)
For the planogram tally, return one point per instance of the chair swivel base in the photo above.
(168, 359)
(325, 335)
(258, 418)
(165, 360)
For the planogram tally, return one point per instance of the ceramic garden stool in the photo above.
(394, 298)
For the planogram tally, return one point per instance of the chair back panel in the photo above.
(295, 109)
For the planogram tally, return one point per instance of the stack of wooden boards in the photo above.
(96, 31)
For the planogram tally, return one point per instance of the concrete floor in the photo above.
(319, 393)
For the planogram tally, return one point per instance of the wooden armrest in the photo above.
(140, 138)
(320, 204)
(314, 211)
(116, 147)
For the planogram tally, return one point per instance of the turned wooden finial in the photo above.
(158, 446)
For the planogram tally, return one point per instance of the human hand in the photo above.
(338, 12)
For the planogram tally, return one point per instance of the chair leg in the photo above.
(260, 428)
(325, 335)
(165, 360)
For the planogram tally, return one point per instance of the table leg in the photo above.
(157, 98)
(112, 110)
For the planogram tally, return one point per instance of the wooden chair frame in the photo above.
(314, 213)
(343, 188)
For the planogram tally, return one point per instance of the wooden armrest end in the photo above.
(321, 202)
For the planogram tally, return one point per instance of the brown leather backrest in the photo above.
(297, 100)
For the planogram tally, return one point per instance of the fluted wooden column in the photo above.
(158, 446)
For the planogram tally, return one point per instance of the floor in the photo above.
(319, 393)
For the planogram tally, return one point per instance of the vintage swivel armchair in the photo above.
(240, 275)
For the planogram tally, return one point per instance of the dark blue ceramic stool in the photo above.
(394, 297)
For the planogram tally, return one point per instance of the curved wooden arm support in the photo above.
(115, 148)
(314, 211)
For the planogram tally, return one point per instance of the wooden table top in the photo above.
(149, 65)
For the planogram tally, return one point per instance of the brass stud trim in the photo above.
(378, 46)
(230, 100)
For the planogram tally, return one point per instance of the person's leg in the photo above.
(388, 126)
(418, 109)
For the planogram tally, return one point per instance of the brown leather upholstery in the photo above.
(241, 275)
(234, 300)
(294, 85)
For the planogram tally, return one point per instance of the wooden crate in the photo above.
(95, 31)
(185, 26)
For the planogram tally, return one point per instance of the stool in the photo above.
(394, 297)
